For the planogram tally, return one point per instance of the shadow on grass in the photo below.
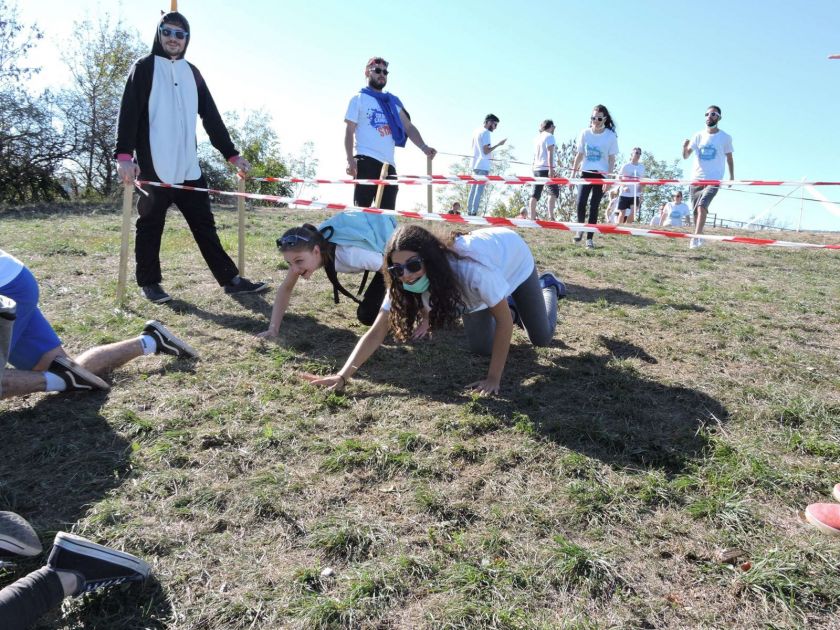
(596, 403)
(254, 303)
(581, 293)
(60, 456)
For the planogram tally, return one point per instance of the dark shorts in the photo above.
(553, 189)
(625, 203)
(32, 335)
(702, 196)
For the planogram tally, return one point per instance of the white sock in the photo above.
(54, 383)
(149, 344)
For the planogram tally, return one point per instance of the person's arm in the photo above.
(686, 149)
(610, 169)
(577, 163)
(499, 354)
(414, 135)
(136, 92)
(488, 149)
(349, 135)
(365, 347)
(730, 161)
(551, 160)
(662, 211)
(281, 303)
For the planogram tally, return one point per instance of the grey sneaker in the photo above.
(17, 535)
(695, 243)
(167, 343)
(96, 566)
(590, 244)
(78, 379)
(155, 293)
(245, 286)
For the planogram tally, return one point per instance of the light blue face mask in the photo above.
(419, 286)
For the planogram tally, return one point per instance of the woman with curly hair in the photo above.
(348, 242)
(470, 276)
(596, 151)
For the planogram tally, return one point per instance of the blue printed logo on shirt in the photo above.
(377, 120)
(593, 154)
(707, 152)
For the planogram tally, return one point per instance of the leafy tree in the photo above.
(16, 40)
(99, 56)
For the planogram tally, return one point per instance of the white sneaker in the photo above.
(590, 244)
(695, 243)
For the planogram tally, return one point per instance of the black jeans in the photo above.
(195, 206)
(23, 602)
(594, 193)
(372, 300)
(364, 196)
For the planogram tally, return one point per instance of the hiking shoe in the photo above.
(549, 281)
(77, 378)
(17, 535)
(836, 493)
(824, 516)
(514, 312)
(245, 286)
(8, 307)
(167, 343)
(155, 293)
(695, 243)
(590, 244)
(95, 566)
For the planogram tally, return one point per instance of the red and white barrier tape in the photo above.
(425, 180)
(500, 221)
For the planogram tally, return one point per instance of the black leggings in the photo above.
(22, 603)
(372, 300)
(595, 193)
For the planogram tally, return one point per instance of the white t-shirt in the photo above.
(498, 262)
(10, 268)
(676, 214)
(481, 160)
(373, 134)
(596, 149)
(541, 144)
(710, 151)
(350, 259)
(631, 170)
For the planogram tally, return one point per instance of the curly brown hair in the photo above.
(446, 302)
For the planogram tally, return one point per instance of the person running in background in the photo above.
(630, 198)
(545, 148)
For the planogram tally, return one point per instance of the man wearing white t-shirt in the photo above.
(675, 213)
(630, 198)
(545, 147)
(711, 147)
(376, 123)
(481, 159)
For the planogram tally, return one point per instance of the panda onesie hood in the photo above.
(156, 122)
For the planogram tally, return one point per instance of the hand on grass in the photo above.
(268, 334)
(333, 382)
(422, 331)
(485, 387)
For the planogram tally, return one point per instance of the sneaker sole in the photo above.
(162, 300)
(813, 520)
(17, 535)
(84, 547)
(171, 340)
(86, 375)
(836, 493)
(261, 289)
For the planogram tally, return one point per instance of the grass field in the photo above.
(690, 403)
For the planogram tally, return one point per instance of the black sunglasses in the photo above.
(412, 265)
(290, 240)
(379, 71)
(171, 32)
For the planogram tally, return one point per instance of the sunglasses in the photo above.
(379, 71)
(598, 118)
(412, 265)
(715, 114)
(171, 32)
(290, 240)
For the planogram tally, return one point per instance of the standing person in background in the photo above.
(712, 146)
(630, 198)
(376, 123)
(156, 125)
(545, 147)
(481, 159)
(456, 208)
(596, 150)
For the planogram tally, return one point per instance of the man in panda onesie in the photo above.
(156, 125)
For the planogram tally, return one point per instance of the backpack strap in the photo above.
(329, 268)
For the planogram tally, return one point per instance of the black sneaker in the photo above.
(78, 379)
(167, 343)
(17, 536)
(245, 286)
(155, 293)
(95, 566)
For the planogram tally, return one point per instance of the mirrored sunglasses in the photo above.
(171, 32)
(412, 265)
(290, 240)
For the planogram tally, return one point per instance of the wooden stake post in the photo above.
(383, 174)
(240, 204)
(128, 190)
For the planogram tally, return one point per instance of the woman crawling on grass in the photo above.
(468, 276)
(349, 242)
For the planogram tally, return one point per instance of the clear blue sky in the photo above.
(657, 65)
